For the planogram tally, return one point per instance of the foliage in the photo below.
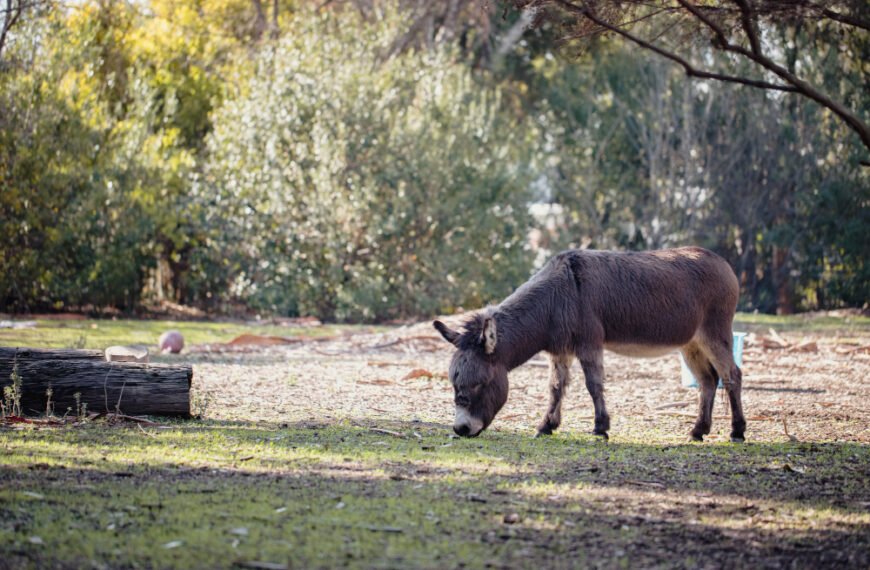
(645, 160)
(394, 188)
(744, 36)
(369, 161)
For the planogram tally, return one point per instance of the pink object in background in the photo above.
(171, 341)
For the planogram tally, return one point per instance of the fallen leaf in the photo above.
(376, 382)
(262, 340)
(173, 544)
(417, 373)
(806, 346)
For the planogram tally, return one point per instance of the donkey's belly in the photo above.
(640, 350)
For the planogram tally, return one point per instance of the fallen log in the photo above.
(8, 354)
(128, 387)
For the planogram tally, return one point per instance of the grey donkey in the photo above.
(582, 302)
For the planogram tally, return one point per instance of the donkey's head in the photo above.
(480, 384)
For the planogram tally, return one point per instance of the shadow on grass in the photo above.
(347, 495)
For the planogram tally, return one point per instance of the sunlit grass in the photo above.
(810, 322)
(100, 333)
(212, 494)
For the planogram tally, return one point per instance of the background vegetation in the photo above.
(362, 161)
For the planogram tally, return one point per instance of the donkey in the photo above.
(581, 302)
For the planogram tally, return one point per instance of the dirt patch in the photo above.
(812, 388)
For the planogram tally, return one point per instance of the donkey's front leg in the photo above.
(593, 368)
(560, 376)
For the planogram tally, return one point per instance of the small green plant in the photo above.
(81, 407)
(49, 405)
(12, 394)
(200, 402)
(80, 342)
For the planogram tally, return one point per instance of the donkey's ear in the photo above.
(489, 335)
(449, 334)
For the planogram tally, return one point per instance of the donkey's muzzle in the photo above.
(465, 424)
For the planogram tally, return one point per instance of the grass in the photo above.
(218, 495)
(809, 322)
(101, 333)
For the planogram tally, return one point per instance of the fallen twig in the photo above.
(144, 432)
(785, 429)
(142, 421)
(673, 405)
(389, 432)
(647, 484)
(687, 415)
(431, 338)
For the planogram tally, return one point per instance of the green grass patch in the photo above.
(809, 322)
(100, 333)
(224, 495)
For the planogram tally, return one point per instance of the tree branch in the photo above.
(749, 26)
(11, 15)
(690, 70)
(844, 18)
(791, 82)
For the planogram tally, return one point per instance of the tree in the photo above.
(747, 31)
(393, 188)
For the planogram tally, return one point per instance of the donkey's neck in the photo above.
(523, 323)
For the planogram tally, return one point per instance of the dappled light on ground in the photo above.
(340, 453)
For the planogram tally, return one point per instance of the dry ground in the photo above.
(816, 389)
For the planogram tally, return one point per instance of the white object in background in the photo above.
(689, 380)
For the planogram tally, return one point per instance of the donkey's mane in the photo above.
(472, 332)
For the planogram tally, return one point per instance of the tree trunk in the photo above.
(131, 388)
(782, 282)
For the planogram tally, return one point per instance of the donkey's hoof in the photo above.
(543, 432)
(601, 434)
(737, 439)
(696, 437)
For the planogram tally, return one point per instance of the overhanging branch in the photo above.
(791, 83)
(690, 69)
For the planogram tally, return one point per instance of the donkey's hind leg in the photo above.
(719, 349)
(707, 379)
(560, 376)
(593, 368)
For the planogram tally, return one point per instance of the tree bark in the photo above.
(131, 388)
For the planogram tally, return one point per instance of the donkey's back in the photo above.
(661, 298)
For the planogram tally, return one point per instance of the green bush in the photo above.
(354, 187)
